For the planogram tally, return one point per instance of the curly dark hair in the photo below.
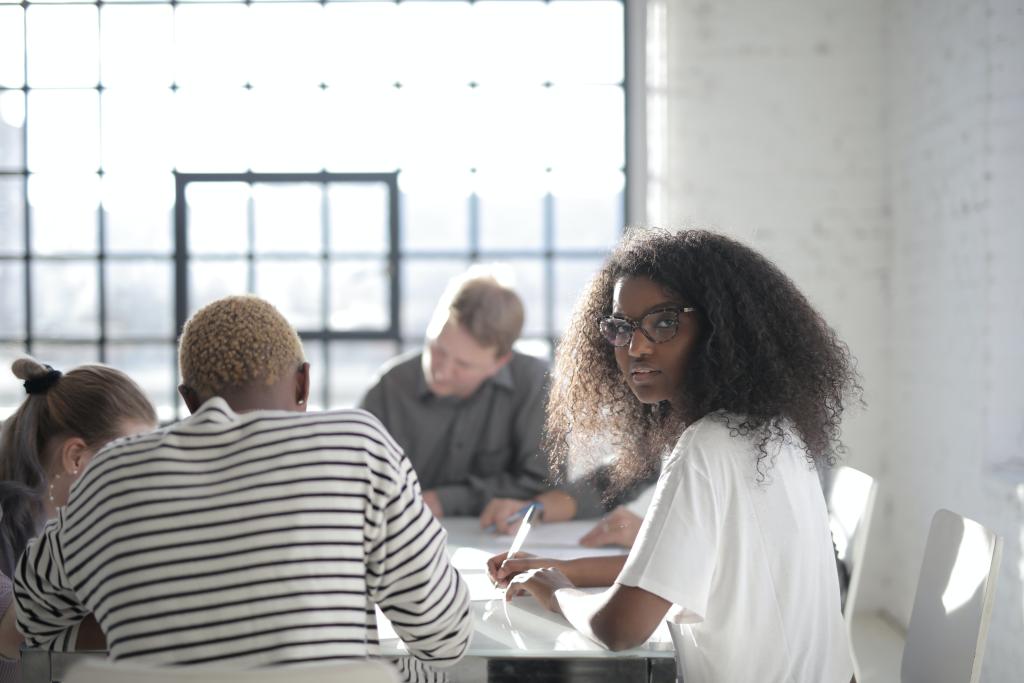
(766, 359)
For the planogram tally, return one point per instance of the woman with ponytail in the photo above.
(44, 446)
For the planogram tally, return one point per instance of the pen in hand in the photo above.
(537, 506)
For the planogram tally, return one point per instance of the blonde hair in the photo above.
(236, 341)
(92, 402)
(491, 312)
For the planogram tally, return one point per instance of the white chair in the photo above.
(106, 671)
(850, 501)
(953, 603)
(676, 632)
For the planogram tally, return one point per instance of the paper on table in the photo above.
(481, 587)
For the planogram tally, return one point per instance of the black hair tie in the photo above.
(42, 384)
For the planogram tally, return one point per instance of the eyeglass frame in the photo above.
(638, 325)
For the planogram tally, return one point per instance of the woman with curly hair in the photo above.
(693, 345)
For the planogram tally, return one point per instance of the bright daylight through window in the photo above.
(501, 123)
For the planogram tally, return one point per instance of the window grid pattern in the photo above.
(93, 146)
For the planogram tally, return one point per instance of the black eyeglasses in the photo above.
(659, 326)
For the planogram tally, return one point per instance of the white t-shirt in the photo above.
(748, 565)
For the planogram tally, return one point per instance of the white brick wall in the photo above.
(876, 151)
(956, 324)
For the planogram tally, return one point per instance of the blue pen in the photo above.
(518, 514)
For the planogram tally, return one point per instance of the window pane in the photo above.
(359, 295)
(153, 366)
(285, 44)
(218, 218)
(432, 128)
(136, 127)
(529, 283)
(137, 47)
(541, 348)
(440, 53)
(364, 45)
(286, 129)
(588, 210)
(423, 282)
(296, 288)
(435, 212)
(139, 299)
(11, 391)
(12, 215)
(64, 213)
(496, 41)
(65, 301)
(572, 276)
(512, 211)
(361, 133)
(12, 124)
(358, 216)
(65, 131)
(288, 218)
(591, 56)
(211, 44)
(513, 127)
(139, 213)
(63, 47)
(587, 125)
(12, 299)
(212, 280)
(212, 132)
(12, 47)
(64, 357)
(353, 366)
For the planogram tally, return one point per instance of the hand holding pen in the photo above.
(503, 515)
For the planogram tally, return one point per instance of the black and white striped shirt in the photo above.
(249, 540)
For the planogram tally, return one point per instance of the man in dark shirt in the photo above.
(467, 409)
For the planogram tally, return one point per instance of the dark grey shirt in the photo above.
(468, 450)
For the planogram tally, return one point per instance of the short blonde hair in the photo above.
(235, 341)
(490, 312)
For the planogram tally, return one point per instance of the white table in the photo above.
(520, 640)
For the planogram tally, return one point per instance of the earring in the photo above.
(301, 401)
(55, 478)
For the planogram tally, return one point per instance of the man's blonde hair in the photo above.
(236, 341)
(491, 312)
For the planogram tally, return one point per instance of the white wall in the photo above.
(956, 317)
(876, 151)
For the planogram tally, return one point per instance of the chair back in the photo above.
(97, 670)
(850, 502)
(953, 604)
(676, 632)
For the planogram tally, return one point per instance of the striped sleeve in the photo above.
(49, 611)
(411, 578)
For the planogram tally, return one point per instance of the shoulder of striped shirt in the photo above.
(359, 419)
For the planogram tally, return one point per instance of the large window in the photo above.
(502, 124)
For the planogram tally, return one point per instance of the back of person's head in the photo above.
(491, 312)
(95, 403)
(764, 354)
(237, 344)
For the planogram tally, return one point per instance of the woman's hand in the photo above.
(618, 527)
(541, 583)
(501, 568)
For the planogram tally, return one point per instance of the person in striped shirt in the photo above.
(252, 533)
